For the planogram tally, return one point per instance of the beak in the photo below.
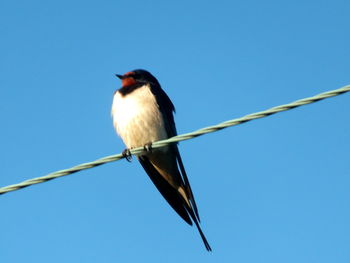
(120, 76)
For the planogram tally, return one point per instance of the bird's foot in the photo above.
(148, 147)
(127, 155)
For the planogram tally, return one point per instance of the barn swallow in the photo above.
(143, 113)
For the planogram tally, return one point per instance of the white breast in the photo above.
(136, 117)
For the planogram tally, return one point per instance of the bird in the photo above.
(143, 113)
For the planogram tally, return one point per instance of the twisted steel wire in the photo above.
(178, 138)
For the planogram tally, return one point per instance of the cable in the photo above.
(177, 138)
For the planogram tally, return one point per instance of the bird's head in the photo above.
(138, 76)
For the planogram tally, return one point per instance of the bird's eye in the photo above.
(135, 76)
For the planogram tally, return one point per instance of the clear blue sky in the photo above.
(272, 190)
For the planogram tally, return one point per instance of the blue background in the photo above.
(272, 190)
